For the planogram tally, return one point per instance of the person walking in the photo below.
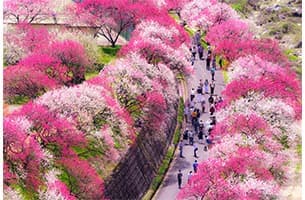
(211, 100)
(181, 148)
(201, 83)
(214, 63)
(191, 137)
(192, 59)
(196, 124)
(194, 52)
(179, 176)
(195, 150)
(200, 136)
(220, 62)
(208, 62)
(186, 134)
(189, 177)
(194, 116)
(192, 94)
(201, 125)
(212, 109)
(197, 37)
(200, 51)
(206, 86)
(212, 87)
(213, 73)
(199, 90)
(195, 166)
(202, 102)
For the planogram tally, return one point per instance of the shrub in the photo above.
(22, 82)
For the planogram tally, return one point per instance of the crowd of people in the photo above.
(196, 130)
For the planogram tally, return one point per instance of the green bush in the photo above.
(69, 180)
(19, 100)
(93, 149)
(111, 51)
(284, 141)
(26, 193)
(163, 168)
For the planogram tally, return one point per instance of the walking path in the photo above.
(169, 188)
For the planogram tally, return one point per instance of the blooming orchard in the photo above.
(91, 124)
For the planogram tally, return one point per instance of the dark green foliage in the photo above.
(93, 149)
(26, 193)
(19, 100)
(284, 141)
(179, 121)
(163, 168)
(112, 51)
(69, 180)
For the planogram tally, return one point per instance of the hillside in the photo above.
(279, 19)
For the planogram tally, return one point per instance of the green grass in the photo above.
(163, 168)
(240, 6)
(290, 54)
(180, 76)
(174, 15)
(91, 74)
(190, 31)
(107, 54)
(179, 120)
(203, 43)
(19, 100)
(225, 76)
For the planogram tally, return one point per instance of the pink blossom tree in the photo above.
(49, 128)
(22, 154)
(27, 11)
(191, 7)
(287, 88)
(132, 76)
(83, 180)
(157, 47)
(267, 49)
(72, 55)
(20, 81)
(110, 17)
(51, 66)
(23, 40)
(228, 38)
(229, 178)
(218, 13)
(279, 115)
(56, 189)
(155, 104)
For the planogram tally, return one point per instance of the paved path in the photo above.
(169, 188)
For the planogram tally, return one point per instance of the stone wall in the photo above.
(135, 172)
